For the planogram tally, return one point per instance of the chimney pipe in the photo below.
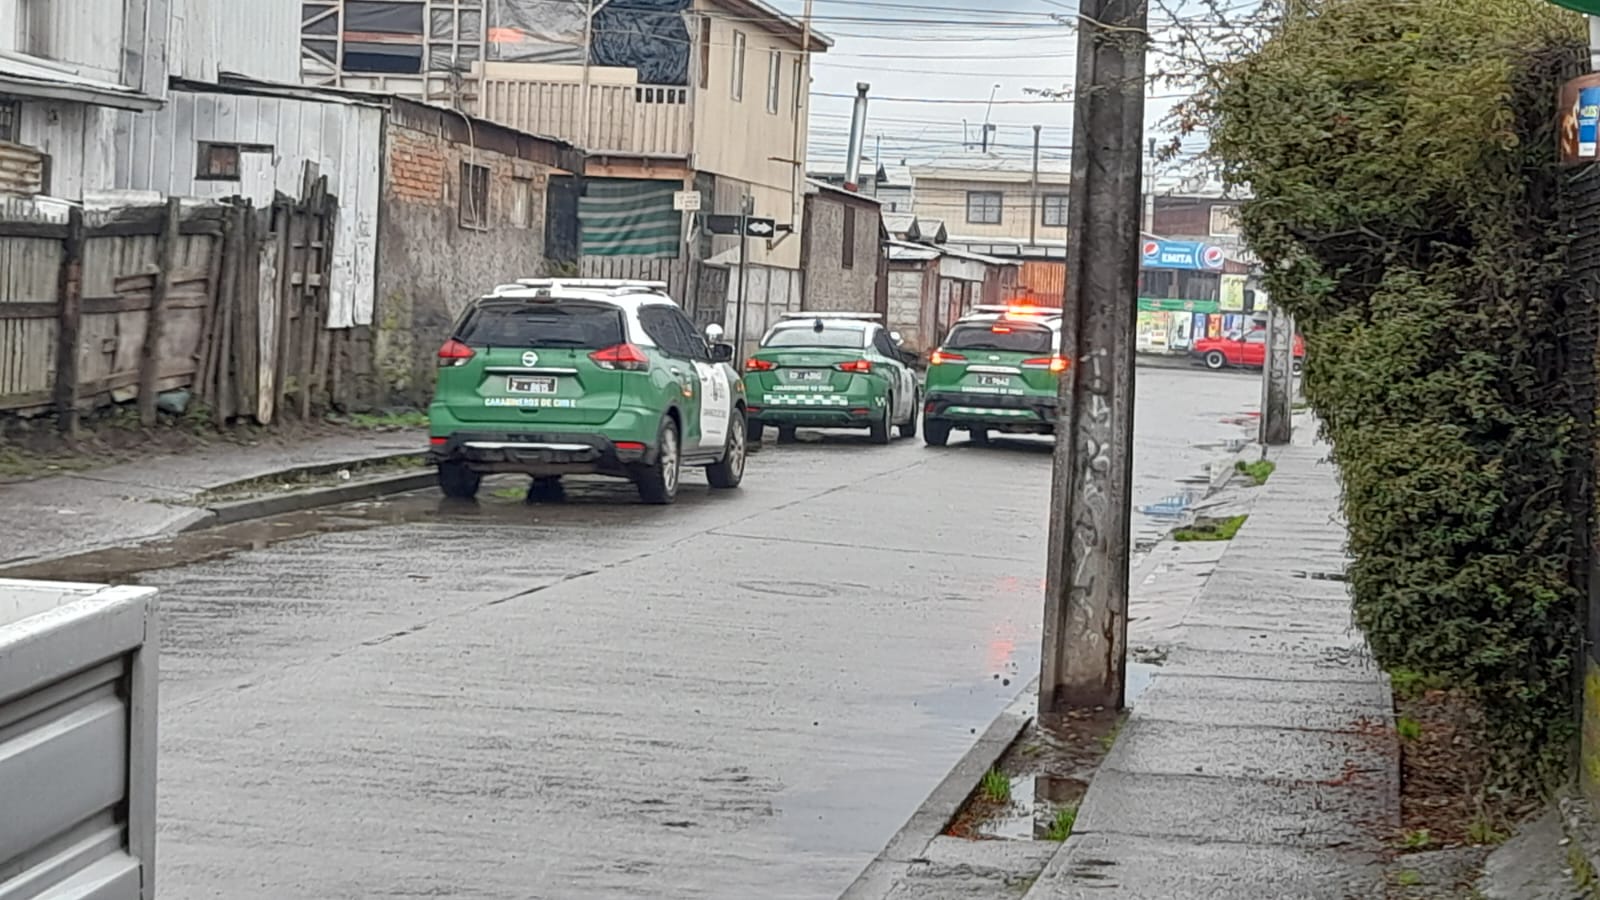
(858, 136)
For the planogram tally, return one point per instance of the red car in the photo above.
(1247, 351)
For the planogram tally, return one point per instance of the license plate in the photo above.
(519, 384)
(994, 381)
(806, 374)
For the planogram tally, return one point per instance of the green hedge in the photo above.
(1408, 212)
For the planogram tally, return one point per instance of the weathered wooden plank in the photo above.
(145, 282)
(285, 220)
(310, 324)
(150, 359)
(255, 287)
(69, 325)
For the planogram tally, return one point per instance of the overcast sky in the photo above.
(913, 52)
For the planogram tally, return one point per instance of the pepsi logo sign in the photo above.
(1152, 249)
(1212, 258)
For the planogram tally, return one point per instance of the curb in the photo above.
(313, 470)
(300, 501)
(935, 814)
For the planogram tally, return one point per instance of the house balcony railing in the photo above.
(625, 120)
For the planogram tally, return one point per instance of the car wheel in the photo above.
(726, 473)
(1216, 360)
(754, 431)
(909, 429)
(458, 481)
(658, 482)
(935, 433)
(546, 490)
(882, 432)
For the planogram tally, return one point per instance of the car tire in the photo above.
(1216, 360)
(980, 436)
(546, 490)
(909, 429)
(726, 473)
(457, 481)
(935, 433)
(658, 481)
(754, 432)
(787, 434)
(882, 429)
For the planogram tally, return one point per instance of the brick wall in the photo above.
(432, 263)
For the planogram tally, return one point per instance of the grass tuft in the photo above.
(1061, 827)
(1258, 471)
(996, 786)
(1210, 530)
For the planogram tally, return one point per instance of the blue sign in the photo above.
(1189, 255)
(1588, 121)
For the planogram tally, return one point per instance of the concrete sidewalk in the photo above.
(1262, 761)
(135, 501)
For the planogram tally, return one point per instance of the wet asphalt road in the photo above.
(740, 696)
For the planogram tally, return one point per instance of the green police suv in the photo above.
(831, 370)
(997, 370)
(556, 377)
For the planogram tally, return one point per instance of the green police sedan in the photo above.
(831, 370)
(997, 370)
(583, 376)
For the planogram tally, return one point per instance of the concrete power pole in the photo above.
(1033, 220)
(1086, 603)
(1277, 379)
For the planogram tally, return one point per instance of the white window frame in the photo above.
(802, 85)
(774, 81)
(1060, 205)
(737, 86)
(473, 205)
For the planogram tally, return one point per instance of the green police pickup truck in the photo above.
(583, 376)
(998, 370)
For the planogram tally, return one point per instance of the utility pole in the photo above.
(588, 52)
(741, 298)
(1033, 220)
(802, 106)
(877, 164)
(858, 137)
(1277, 379)
(1086, 602)
(1150, 190)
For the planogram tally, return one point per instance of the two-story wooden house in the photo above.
(665, 96)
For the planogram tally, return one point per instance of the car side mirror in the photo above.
(713, 333)
(721, 352)
(897, 337)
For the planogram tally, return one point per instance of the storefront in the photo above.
(1188, 291)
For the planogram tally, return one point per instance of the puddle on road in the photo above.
(502, 501)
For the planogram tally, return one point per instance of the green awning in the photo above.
(1163, 304)
(1592, 7)
(630, 218)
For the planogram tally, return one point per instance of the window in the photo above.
(801, 86)
(983, 207)
(1225, 221)
(1018, 338)
(522, 201)
(10, 121)
(221, 162)
(884, 344)
(809, 335)
(671, 332)
(847, 253)
(738, 65)
(774, 81)
(705, 52)
(474, 196)
(691, 337)
(514, 323)
(1055, 211)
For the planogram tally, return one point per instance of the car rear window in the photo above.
(1003, 337)
(583, 325)
(809, 336)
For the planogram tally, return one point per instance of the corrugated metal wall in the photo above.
(88, 34)
(160, 153)
(258, 39)
(79, 140)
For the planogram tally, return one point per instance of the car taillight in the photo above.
(760, 365)
(1055, 364)
(941, 357)
(859, 366)
(454, 353)
(622, 357)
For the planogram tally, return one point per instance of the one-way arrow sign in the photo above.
(760, 228)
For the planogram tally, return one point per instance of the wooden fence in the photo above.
(227, 301)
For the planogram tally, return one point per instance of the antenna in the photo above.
(987, 128)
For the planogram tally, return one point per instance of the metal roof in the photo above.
(31, 77)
